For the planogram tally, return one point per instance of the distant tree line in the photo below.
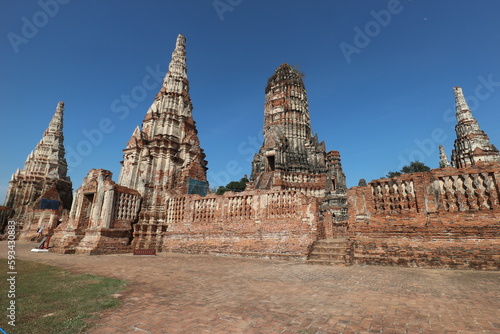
(236, 186)
(413, 167)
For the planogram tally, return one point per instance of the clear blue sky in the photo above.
(381, 97)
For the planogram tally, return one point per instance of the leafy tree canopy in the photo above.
(233, 186)
(413, 167)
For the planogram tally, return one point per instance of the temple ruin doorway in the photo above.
(270, 162)
(88, 200)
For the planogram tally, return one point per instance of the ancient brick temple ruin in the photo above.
(164, 156)
(165, 168)
(296, 205)
(175, 217)
(101, 217)
(291, 157)
(41, 193)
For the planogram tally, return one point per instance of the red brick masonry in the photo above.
(446, 218)
(251, 223)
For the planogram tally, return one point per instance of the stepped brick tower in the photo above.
(43, 179)
(472, 144)
(164, 156)
(291, 156)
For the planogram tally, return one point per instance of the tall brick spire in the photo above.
(174, 93)
(48, 158)
(288, 141)
(165, 153)
(286, 110)
(472, 144)
(291, 156)
(44, 165)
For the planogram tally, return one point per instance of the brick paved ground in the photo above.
(177, 293)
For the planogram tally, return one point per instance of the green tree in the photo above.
(393, 174)
(413, 167)
(221, 190)
(237, 186)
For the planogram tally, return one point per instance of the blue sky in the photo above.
(379, 75)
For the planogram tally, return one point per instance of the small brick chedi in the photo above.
(101, 217)
(41, 193)
(296, 205)
(472, 146)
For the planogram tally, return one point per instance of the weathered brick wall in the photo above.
(101, 217)
(443, 218)
(252, 223)
(24, 198)
(307, 183)
(35, 217)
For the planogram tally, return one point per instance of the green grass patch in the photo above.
(51, 300)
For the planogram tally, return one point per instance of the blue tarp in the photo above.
(49, 204)
(197, 187)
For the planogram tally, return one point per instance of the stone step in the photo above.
(330, 252)
(331, 243)
(326, 262)
(328, 257)
(316, 255)
(332, 246)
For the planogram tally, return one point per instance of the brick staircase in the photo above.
(336, 251)
(264, 180)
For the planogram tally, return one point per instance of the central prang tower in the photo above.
(165, 157)
(291, 156)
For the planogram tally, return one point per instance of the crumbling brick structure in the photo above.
(273, 224)
(161, 159)
(44, 178)
(445, 218)
(291, 157)
(164, 156)
(47, 211)
(101, 217)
